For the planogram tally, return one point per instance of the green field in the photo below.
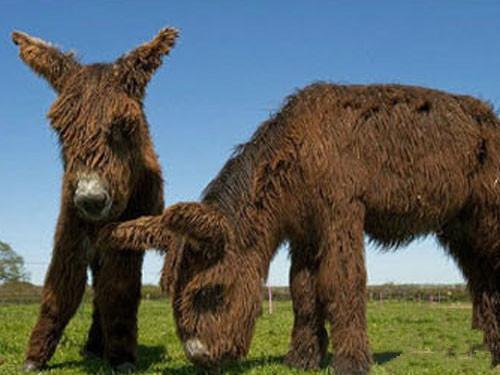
(406, 338)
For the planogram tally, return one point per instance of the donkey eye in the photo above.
(209, 298)
(116, 133)
(120, 131)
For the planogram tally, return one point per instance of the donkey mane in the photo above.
(230, 188)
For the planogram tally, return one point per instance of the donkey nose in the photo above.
(91, 198)
(93, 204)
(195, 349)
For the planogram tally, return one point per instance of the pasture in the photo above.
(407, 338)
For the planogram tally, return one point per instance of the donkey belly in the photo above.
(402, 207)
(392, 230)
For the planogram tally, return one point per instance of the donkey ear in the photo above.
(136, 68)
(199, 222)
(45, 59)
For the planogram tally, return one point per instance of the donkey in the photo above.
(394, 162)
(111, 173)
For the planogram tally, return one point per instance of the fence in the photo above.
(23, 292)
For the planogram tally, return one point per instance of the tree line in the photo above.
(15, 286)
(11, 265)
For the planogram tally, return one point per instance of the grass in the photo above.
(406, 337)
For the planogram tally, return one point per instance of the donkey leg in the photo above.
(485, 280)
(309, 337)
(488, 288)
(94, 347)
(476, 247)
(468, 268)
(476, 318)
(476, 313)
(62, 293)
(473, 241)
(455, 236)
(118, 292)
(118, 287)
(342, 289)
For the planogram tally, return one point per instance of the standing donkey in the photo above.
(395, 162)
(111, 172)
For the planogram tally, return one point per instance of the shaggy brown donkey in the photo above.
(111, 173)
(336, 162)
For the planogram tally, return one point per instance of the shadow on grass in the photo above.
(150, 355)
(234, 368)
(384, 357)
(378, 358)
(147, 355)
(248, 365)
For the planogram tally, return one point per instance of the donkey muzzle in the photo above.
(92, 198)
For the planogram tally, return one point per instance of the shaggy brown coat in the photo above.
(335, 162)
(104, 136)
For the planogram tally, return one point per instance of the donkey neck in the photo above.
(251, 191)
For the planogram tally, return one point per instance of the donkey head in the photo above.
(215, 289)
(98, 116)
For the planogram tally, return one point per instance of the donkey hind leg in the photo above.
(94, 347)
(118, 292)
(467, 264)
(485, 276)
(309, 337)
(476, 322)
(478, 257)
(342, 289)
(453, 236)
(467, 271)
(487, 287)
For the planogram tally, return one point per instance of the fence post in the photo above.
(270, 297)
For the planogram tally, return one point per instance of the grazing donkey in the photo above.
(111, 172)
(336, 162)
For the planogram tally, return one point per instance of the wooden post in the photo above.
(270, 297)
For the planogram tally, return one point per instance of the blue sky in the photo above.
(233, 65)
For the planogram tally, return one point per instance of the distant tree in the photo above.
(11, 265)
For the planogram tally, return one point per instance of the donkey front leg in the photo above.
(62, 293)
(309, 336)
(94, 347)
(342, 289)
(138, 235)
(118, 292)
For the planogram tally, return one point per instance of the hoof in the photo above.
(30, 366)
(89, 354)
(349, 367)
(124, 367)
(303, 362)
(209, 371)
(309, 352)
(495, 360)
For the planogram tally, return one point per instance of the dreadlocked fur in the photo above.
(394, 162)
(111, 173)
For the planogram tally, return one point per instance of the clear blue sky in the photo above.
(233, 65)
